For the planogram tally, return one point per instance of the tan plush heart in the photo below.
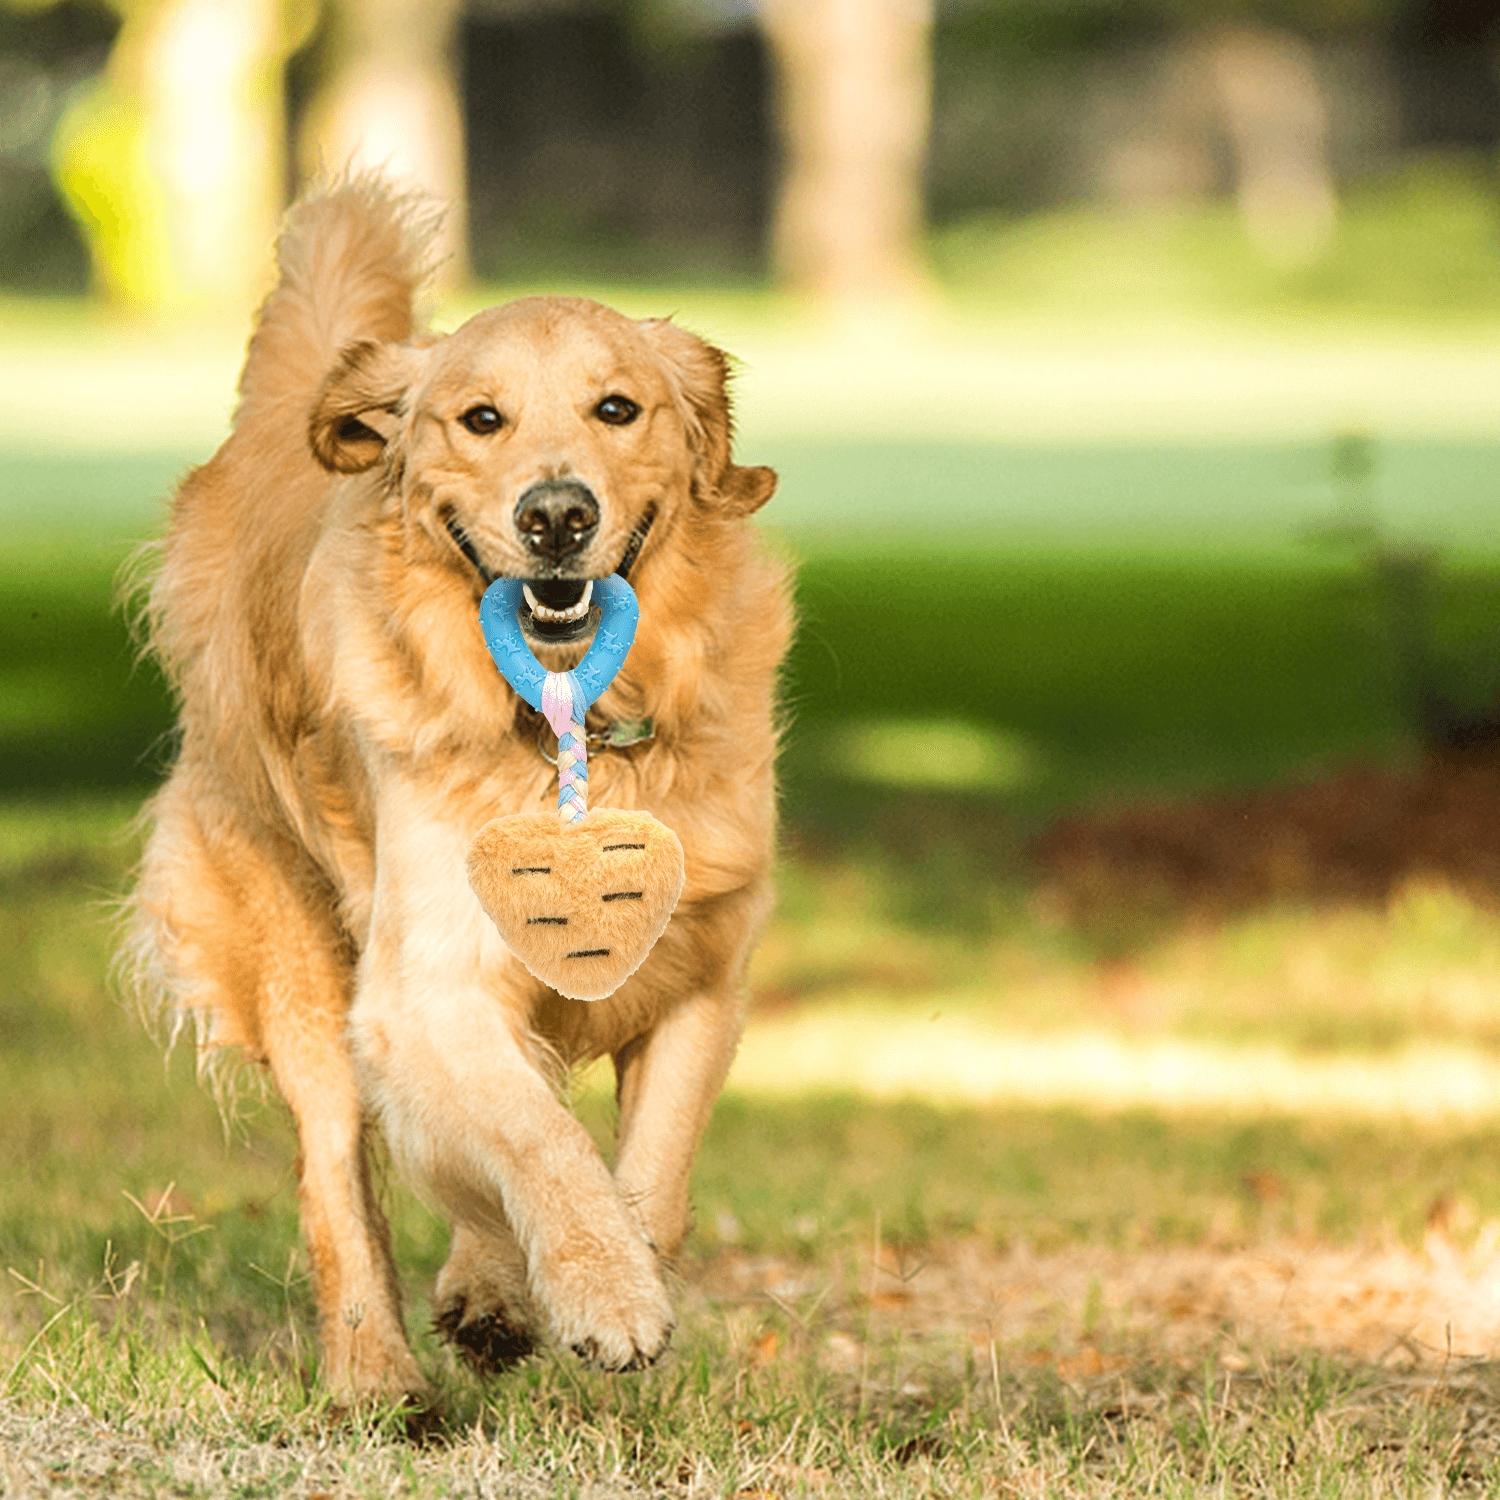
(580, 904)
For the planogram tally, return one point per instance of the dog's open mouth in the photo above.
(559, 607)
(569, 600)
(557, 610)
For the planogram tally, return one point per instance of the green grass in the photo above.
(1071, 625)
(155, 1319)
(1199, 499)
(1109, 618)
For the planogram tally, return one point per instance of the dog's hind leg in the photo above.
(481, 1304)
(254, 950)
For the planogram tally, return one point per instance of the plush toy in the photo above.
(581, 896)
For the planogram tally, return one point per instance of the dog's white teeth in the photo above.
(566, 616)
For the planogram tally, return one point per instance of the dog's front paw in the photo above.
(609, 1305)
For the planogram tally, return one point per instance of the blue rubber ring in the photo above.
(500, 620)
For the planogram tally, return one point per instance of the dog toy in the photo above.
(579, 896)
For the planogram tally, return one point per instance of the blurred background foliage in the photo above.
(1341, 150)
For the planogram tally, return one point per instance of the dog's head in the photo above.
(544, 440)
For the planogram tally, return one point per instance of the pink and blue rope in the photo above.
(564, 709)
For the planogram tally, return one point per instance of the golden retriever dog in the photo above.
(344, 736)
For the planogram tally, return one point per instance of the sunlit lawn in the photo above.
(1076, 1277)
(1004, 1189)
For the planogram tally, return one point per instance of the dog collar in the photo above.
(611, 734)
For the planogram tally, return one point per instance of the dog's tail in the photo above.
(351, 259)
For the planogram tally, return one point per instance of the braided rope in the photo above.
(564, 706)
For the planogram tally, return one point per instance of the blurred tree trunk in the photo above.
(390, 100)
(854, 83)
(1276, 116)
(173, 160)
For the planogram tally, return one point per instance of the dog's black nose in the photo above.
(557, 517)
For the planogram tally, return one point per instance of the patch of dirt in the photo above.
(1357, 835)
(1379, 1304)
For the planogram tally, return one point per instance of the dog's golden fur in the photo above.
(344, 736)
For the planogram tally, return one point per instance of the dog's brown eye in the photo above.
(617, 410)
(482, 420)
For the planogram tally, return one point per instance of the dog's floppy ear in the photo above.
(361, 404)
(700, 374)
